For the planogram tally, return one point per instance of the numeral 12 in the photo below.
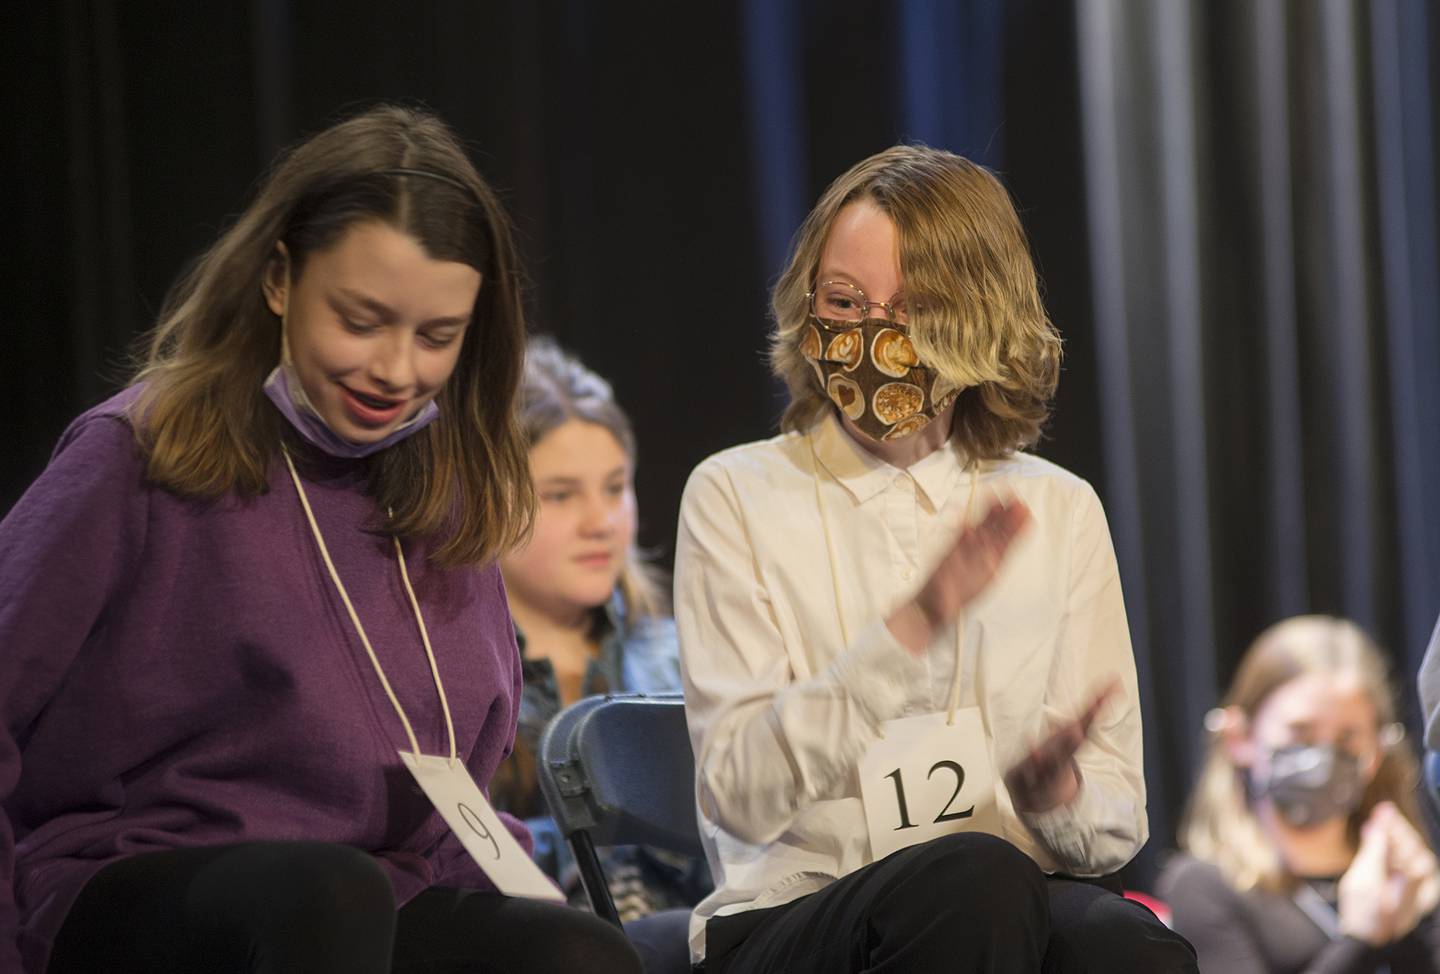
(945, 814)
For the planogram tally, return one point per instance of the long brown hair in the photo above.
(202, 419)
(558, 388)
(963, 249)
(1220, 826)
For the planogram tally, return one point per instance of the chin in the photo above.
(591, 596)
(347, 429)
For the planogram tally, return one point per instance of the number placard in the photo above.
(926, 779)
(464, 808)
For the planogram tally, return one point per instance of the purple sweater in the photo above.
(179, 673)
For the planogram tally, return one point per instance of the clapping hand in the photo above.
(962, 574)
(1392, 882)
(1048, 776)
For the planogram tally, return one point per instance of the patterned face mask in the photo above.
(1312, 784)
(871, 372)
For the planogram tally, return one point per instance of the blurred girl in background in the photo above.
(1304, 847)
(591, 616)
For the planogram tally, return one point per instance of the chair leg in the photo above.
(592, 877)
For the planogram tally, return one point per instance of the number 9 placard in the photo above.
(463, 807)
(927, 778)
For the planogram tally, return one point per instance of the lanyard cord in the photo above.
(960, 621)
(829, 543)
(835, 571)
(365, 640)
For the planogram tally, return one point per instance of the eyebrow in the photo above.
(387, 314)
(845, 277)
(569, 480)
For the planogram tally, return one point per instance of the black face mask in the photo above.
(1312, 784)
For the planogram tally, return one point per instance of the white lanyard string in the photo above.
(960, 619)
(365, 640)
(835, 572)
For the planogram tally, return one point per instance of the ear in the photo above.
(275, 284)
(1391, 736)
(1234, 730)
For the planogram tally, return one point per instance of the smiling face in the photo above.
(374, 327)
(585, 527)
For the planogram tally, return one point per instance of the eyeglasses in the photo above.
(838, 305)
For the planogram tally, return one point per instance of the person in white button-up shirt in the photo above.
(894, 555)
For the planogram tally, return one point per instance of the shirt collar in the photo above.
(864, 475)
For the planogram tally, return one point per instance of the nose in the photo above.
(393, 364)
(598, 517)
(887, 310)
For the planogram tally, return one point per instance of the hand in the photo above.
(1410, 857)
(1048, 776)
(963, 573)
(1391, 883)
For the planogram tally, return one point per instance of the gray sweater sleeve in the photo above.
(1430, 690)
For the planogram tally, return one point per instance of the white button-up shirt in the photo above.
(781, 708)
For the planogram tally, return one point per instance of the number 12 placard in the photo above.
(927, 778)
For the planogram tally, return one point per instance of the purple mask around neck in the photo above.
(283, 388)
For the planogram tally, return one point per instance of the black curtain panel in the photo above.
(1260, 183)
(1232, 206)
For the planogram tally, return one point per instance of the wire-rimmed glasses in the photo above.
(837, 305)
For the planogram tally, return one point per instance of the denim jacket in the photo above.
(643, 658)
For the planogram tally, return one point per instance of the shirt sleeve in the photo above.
(67, 549)
(1209, 914)
(767, 744)
(1429, 681)
(1105, 824)
(1419, 951)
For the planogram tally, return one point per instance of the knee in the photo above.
(1113, 933)
(662, 940)
(325, 883)
(964, 881)
(979, 873)
(340, 879)
(578, 941)
(970, 894)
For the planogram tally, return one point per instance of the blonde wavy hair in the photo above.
(964, 255)
(202, 419)
(1220, 826)
(558, 388)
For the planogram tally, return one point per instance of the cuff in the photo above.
(1061, 830)
(876, 672)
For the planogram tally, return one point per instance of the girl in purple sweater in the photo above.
(248, 581)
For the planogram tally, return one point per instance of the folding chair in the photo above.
(618, 770)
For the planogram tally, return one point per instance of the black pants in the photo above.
(315, 908)
(962, 903)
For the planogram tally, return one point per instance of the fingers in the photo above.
(993, 533)
(1062, 743)
(1371, 858)
(1002, 524)
(978, 551)
(1097, 704)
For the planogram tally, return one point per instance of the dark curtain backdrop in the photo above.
(1260, 182)
(1256, 245)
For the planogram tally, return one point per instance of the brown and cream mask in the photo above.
(872, 373)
